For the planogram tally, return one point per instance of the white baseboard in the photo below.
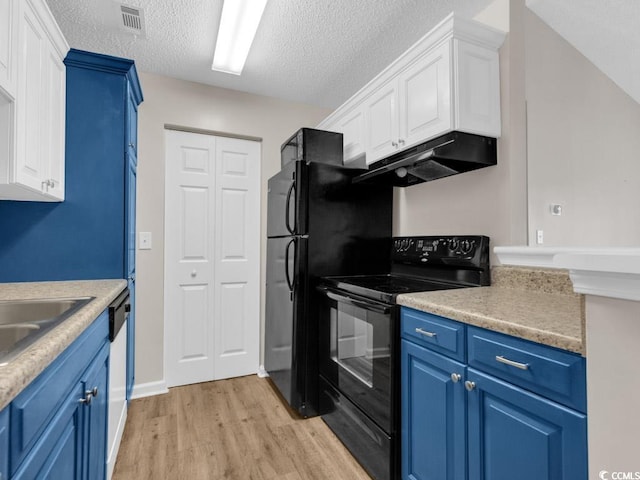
(149, 389)
(113, 449)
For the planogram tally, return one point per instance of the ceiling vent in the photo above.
(131, 19)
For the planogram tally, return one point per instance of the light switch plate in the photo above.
(144, 240)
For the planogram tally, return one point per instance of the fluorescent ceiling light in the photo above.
(238, 26)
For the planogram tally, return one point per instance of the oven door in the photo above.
(357, 351)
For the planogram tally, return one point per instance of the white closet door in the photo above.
(212, 262)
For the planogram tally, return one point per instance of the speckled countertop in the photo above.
(22, 370)
(535, 304)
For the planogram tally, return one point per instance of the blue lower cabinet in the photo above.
(434, 415)
(516, 433)
(4, 444)
(58, 423)
(459, 422)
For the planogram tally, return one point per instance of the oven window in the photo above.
(360, 343)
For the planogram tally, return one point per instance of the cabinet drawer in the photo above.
(32, 410)
(436, 333)
(552, 373)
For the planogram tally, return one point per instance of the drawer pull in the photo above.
(425, 333)
(511, 363)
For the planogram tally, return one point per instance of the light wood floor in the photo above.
(229, 429)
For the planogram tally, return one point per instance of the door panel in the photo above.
(237, 258)
(433, 416)
(382, 123)
(30, 165)
(511, 429)
(212, 257)
(189, 236)
(425, 95)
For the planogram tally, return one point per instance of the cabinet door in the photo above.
(425, 97)
(58, 453)
(130, 226)
(54, 124)
(30, 166)
(512, 430)
(132, 126)
(382, 122)
(95, 424)
(7, 45)
(4, 443)
(433, 416)
(352, 127)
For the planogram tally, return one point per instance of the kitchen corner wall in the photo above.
(583, 146)
(196, 106)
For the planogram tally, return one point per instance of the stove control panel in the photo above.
(469, 250)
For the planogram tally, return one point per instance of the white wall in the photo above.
(583, 147)
(177, 102)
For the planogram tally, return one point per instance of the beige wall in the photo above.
(583, 147)
(491, 201)
(177, 102)
(583, 153)
(613, 390)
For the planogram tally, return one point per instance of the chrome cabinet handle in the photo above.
(469, 385)
(425, 333)
(87, 398)
(456, 377)
(401, 141)
(394, 144)
(511, 363)
(88, 395)
(194, 273)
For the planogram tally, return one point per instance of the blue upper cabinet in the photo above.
(92, 233)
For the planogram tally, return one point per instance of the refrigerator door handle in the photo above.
(286, 266)
(287, 207)
(373, 307)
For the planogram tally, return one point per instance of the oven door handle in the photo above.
(374, 307)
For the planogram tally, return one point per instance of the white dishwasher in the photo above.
(118, 316)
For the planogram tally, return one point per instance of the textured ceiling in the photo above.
(318, 52)
(321, 52)
(607, 32)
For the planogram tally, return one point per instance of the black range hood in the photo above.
(449, 154)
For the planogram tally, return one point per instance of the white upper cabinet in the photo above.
(425, 98)
(32, 165)
(449, 80)
(381, 112)
(8, 34)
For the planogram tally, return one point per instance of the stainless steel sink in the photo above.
(23, 322)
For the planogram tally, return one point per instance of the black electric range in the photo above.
(359, 344)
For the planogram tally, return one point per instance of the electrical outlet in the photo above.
(539, 237)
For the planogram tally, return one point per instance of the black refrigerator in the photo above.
(319, 224)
